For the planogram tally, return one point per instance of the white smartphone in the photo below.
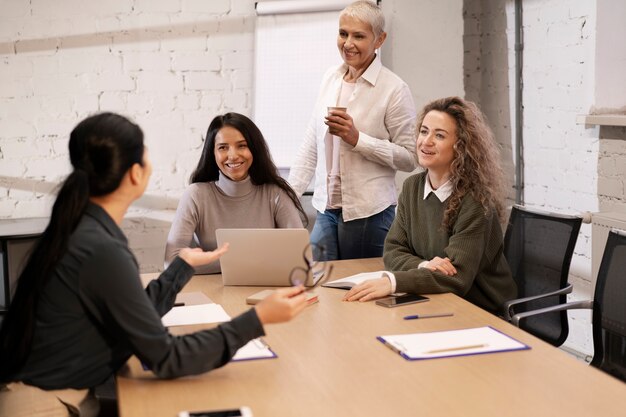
(234, 412)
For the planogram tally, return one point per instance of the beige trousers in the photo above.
(20, 400)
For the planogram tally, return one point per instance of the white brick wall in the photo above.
(567, 167)
(171, 65)
(612, 169)
(561, 157)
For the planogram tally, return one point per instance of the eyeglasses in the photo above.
(318, 269)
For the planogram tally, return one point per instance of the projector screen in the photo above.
(292, 53)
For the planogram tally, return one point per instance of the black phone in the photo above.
(235, 412)
(401, 300)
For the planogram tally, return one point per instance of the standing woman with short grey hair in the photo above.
(355, 149)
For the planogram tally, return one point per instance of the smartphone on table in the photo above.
(234, 412)
(401, 300)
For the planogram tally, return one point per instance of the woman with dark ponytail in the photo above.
(79, 310)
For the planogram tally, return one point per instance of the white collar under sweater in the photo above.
(442, 192)
(234, 188)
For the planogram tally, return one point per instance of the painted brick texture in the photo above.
(170, 65)
(568, 168)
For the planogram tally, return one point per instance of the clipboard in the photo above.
(445, 344)
(254, 349)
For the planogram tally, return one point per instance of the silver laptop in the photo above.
(263, 257)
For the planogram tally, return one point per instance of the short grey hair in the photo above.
(369, 12)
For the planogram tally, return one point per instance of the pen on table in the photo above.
(452, 349)
(179, 304)
(427, 316)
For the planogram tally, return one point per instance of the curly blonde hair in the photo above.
(475, 169)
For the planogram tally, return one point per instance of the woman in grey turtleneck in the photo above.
(235, 185)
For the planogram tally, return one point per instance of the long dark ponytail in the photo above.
(102, 149)
(262, 171)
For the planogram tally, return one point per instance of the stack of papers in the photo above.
(451, 343)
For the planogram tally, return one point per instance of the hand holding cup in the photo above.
(341, 124)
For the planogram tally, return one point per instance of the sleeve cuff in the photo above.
(392, 280)
(366, 144)
(182, 267)
(248, 326)
(180, 272)
(422, 264)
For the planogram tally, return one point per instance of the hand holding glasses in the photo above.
(319, 270)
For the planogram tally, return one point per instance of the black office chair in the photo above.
(609, 308)
(538, 247)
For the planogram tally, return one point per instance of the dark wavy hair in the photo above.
(102, 149)
(476, 168)
(262, 171)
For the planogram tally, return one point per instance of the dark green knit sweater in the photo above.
(474, 248)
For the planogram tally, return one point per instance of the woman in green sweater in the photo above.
(447, 235)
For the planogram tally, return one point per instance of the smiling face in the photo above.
(435, 142)
(232, 154)
(357, 43)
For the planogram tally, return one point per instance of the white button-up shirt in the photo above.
(384, 114)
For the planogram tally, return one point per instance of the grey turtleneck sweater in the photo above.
(207, 206)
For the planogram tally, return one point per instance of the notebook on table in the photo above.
(311, 297)
(263, 257)
(349, 282)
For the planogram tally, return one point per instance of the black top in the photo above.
(94, 314)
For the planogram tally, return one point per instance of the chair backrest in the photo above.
(538, 247)
(609, 309)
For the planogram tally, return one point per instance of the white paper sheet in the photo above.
(195, 314)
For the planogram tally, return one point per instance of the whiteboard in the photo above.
(292, 53)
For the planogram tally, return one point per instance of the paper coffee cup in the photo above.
(337, 109)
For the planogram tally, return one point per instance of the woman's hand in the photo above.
(341, 124)
(197, 257)
(369, 290)
(442, 265)
(283, 305)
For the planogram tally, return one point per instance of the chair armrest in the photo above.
(511, 303)
(585, 304)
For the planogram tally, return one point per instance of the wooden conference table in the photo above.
(330, 364)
